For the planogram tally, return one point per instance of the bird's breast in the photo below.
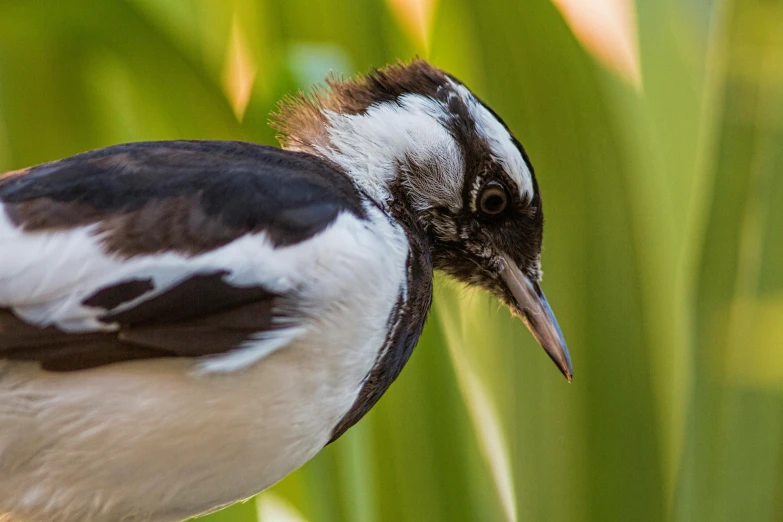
(163, 440)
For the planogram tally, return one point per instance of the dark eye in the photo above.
(493, 198)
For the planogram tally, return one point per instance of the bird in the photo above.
(183, 323)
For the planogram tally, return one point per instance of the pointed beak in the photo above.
(537, 315)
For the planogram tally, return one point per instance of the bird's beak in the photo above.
(537, 315)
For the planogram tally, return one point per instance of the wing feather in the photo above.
(161, 249)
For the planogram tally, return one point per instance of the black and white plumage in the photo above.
(184, 323)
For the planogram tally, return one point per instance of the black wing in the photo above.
(188, 197)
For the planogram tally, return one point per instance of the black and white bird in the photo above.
(183, 323)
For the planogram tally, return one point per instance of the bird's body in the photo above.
(184, 323)
(73, 439)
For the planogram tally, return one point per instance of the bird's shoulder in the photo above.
(190, 196)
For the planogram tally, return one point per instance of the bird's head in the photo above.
(413, 137)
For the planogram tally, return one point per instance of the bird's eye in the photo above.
(493, 198)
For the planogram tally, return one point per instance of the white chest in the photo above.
(159, 441)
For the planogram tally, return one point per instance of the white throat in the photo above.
(372, 147)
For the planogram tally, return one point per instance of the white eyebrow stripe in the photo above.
(504, 151)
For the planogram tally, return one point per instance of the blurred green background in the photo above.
(658, 143)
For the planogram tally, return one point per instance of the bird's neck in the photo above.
(390, 150)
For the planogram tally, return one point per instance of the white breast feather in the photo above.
(259, 423)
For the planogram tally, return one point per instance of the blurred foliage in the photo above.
(664, 245)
